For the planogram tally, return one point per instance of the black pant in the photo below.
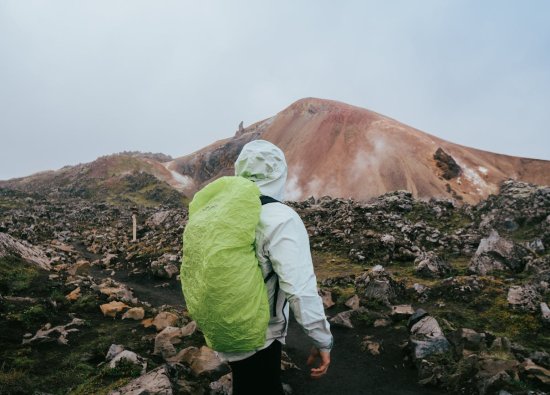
(260, 373)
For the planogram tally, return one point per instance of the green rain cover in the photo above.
(221, 279)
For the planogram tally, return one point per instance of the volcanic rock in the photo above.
(426, 337)
(467, 340)
(74, 294)
(58, 333)
(371, 346)
(428, 264)
(164, 319)
(342, 319)
(545, 312)
(165, 266)
(535, 372)
(497, 253)
(524, 297)
(223, 386)
(115, 290)
(128, 356)
(135, 313)
(378, 285)
(353, 302)
(203, 362)
(112, 308)
(12, 246)
(156, 382)
(165, 340)
(447, 164)
(326, 297)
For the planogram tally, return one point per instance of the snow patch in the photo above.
(474, 178)
(183, 181)
(483, 170)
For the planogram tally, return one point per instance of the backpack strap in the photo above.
(268, 199)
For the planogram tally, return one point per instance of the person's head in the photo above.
(264, 163)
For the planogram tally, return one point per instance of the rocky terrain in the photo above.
(425, 296)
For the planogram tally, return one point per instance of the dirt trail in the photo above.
(352, 371)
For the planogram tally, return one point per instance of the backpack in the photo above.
(220, 275)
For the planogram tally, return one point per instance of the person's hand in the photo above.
(324, 357)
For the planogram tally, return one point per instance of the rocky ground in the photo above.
(424, 297)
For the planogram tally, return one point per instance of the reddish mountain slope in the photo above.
(344, 151)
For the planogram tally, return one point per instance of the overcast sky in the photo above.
(81, 79)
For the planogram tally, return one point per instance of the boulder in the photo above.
(11, 246)
(128, 356)
(497, 253)
(353, 302)
(342, 319)
(494, 374)
(429, 264)
(113, 351)
(402, 311)
(165, 340)
(545, 313)
(223, 386)
(426, 337)
(112, 308)
(326, 297)
(79, 268)
(58, 333)
(449, 168)
(164, 319)
(535, 372)
(381, 323)
(203, 362)
(525, 298)
(155, 382)
(135, 313)
(157, 218)
(378, 285)
(73, 295)
(467, 341)
(115, 290)
(371, 346)
(165, 266)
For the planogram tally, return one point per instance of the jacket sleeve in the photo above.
(289, 253)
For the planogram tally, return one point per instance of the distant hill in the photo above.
(128, 177)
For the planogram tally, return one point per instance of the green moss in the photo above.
(86, 303)
(487, 310)
(15, 381)
(329, 265)
(342, 294)
(16, 275)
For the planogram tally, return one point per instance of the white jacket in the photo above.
(282, 247)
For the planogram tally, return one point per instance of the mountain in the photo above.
(340, 150)
(331, 148)
(128, 177)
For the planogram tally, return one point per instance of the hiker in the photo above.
(282, 249)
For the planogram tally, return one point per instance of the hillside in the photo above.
(340, 150)
(125, 178)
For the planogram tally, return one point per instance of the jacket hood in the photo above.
(264, 163)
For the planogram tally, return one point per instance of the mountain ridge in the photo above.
(332, 148)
